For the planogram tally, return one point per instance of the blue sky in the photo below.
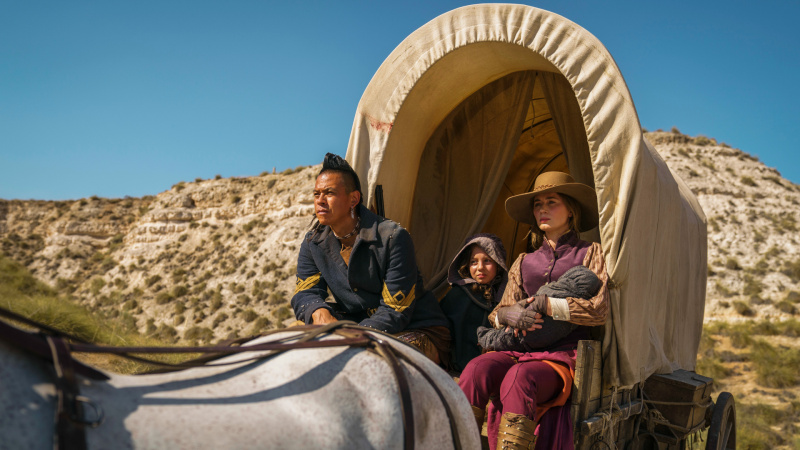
(129, 98)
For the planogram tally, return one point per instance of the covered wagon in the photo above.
(466, 112)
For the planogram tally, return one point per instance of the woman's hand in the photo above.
(541, 304)
(519, 317)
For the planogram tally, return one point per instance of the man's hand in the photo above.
(322, 316)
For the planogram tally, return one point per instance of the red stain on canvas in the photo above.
(380, 126)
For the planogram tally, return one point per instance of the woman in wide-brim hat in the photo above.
(521, 387)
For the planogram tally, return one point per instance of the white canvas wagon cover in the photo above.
(472, 106)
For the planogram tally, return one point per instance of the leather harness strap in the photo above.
(69, 433)
(70, 422)
(388, 353)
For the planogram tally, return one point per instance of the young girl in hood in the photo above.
(478, 277)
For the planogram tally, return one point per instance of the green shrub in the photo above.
(723, 290)
(743, 308)
(792, 269)
(221, 317)
(761, 267)
(774, 179)
(748, 181)
(790, 328)
(282, 313)
(277, 298)
(216, 301)
(702, 140)
(787, 307)
(202, 334)
(116, 242)
(130, 305)
(249, 315)
(166, 333)
(788, 223)
(752, 286)
(732, 264)
(775, 367)
(179, 291)
(248, 227)
(259, 326)
(96, 285)
(163, 298)
(152, 280)
(792, 296)
(755, 426)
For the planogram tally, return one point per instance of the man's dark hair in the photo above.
(335, 163)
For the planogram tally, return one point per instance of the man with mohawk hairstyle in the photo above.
(368, 264)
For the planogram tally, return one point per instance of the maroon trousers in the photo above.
(511, 386)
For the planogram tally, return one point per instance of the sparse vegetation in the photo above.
(792, 269)
(752, 286)
(743, 308)
(22, 293)
(776, 367)
(733, 264)
(748, 181)
(198, 334)
(702, 140)
(163, 298)
(150, 281)
(249, 315)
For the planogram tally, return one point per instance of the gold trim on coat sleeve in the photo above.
(399, 301)
(308, 283)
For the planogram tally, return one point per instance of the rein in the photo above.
(70, 420)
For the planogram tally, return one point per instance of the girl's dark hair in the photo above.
(335, 163)
(485, 290)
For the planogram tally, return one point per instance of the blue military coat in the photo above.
(381, 288)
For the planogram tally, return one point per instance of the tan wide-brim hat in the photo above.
(520, 207)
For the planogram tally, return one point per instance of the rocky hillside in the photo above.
(753, 227)
(209, 259)
(203, 261)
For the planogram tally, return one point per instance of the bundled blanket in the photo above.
(577, 282)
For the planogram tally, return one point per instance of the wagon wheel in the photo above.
(722, 431)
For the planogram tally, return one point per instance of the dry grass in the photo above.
(758, 362)
(21, 293)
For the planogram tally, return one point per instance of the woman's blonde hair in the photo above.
(574, 208)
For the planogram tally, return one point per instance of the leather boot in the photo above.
(516, 432)
(480, 414)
